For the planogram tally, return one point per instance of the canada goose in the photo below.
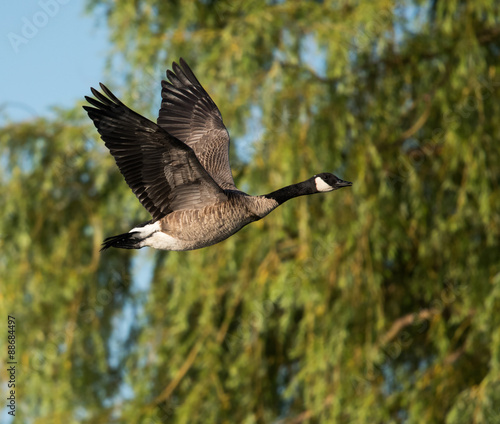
(179, 168)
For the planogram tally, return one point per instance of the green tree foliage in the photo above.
(376, 304)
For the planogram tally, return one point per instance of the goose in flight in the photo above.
(179, 168)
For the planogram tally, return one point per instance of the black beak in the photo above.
(342, 183)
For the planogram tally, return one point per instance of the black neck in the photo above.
(294, 190)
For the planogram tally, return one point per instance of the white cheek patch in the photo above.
(321, 185)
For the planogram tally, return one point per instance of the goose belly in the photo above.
(194, 229)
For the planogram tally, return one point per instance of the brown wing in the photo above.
(163, 172)
(188, 113)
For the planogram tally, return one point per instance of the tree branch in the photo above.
(405, 321)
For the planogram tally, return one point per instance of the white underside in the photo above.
(163, 241)
(157, 239)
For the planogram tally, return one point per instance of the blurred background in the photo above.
(375, 304)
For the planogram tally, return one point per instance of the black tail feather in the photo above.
(122, 241)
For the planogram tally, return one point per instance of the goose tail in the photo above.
(123, 241)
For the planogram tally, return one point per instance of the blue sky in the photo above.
(51, 53)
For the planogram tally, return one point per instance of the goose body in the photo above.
(179, 168)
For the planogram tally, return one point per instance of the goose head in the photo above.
(329, 182)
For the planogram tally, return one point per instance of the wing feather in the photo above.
(162, 171)
(188, 113)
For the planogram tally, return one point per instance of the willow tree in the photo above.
(373, 305)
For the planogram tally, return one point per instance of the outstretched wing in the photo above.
(163, 172)
(188, 113)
